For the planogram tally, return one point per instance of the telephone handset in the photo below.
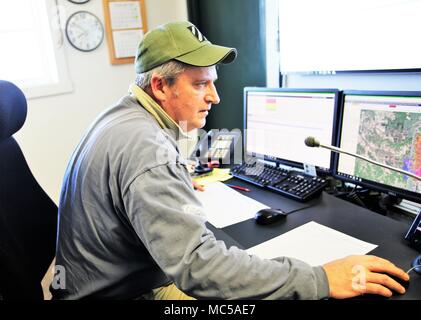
(222, 146)
(414, 237)
(414, 233)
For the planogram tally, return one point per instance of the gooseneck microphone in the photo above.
(416, 264)
(313, 142)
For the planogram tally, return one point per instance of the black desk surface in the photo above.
(335, 213)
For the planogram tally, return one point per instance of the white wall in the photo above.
(55, 124)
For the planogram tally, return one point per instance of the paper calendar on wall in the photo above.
(125, 25)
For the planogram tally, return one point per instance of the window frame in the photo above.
(273, 75)
(54, 14)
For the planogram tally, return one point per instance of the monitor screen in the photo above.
(349, 35)
(277, 121)
(384, 127)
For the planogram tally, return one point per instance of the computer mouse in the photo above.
(269, 215)
(372, 296)
(416, 265)
(402, 282)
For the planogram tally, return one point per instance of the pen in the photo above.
(238, 187)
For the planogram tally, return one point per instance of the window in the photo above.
(272, 44)
(31, 54)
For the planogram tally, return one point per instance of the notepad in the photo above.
(217, 174)
(313, 243)
(224, 206)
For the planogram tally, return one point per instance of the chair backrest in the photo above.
(28, 217)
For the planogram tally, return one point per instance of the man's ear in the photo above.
(158, 88)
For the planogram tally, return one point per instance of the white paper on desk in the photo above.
(224, 206)
(313, 243)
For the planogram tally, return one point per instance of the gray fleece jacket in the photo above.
(129, 221)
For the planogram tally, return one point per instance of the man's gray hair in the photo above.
(169, 71)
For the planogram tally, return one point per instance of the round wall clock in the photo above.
(84, 31)
(78, 1)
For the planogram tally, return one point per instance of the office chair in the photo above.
(28, 217)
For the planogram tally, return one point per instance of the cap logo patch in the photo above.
(197, 33)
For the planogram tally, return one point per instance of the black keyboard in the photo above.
(292, 184)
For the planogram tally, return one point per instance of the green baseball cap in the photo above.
(180, 41)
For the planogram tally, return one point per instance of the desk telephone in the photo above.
(414, 233)
(219, 145)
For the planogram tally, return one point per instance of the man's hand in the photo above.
(357, 275)
(197, 186)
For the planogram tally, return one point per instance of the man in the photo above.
(130, 223)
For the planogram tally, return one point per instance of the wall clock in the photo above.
(84, 31)
(78, 1)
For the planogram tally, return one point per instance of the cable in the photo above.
(288, 212)
(418, 265)
(59, 25)
(353, 195)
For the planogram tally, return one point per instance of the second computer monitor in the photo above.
(277, 121)
(384, 127)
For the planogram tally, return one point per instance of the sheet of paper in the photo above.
(216, 175)
(313, 243)
(225, 206)
(126, 42)
(125, 15)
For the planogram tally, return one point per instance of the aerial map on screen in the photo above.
(392, 138)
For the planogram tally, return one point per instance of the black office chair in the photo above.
(28, 217)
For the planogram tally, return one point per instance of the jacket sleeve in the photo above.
(165, 213)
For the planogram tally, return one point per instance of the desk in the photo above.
(335, 213)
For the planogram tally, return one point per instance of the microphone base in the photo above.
(378, 202)
(387, 202)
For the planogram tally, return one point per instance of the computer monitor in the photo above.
(277, 121)
(384, 127)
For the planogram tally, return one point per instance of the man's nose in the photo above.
(212, 95)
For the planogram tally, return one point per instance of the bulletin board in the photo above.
(125, 25)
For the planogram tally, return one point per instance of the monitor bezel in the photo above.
(381, 187)
(286, 162)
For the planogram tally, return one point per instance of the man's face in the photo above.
(188, 101)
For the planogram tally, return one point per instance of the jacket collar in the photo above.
(150, 105)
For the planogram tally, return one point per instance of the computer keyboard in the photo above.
(292, 184)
